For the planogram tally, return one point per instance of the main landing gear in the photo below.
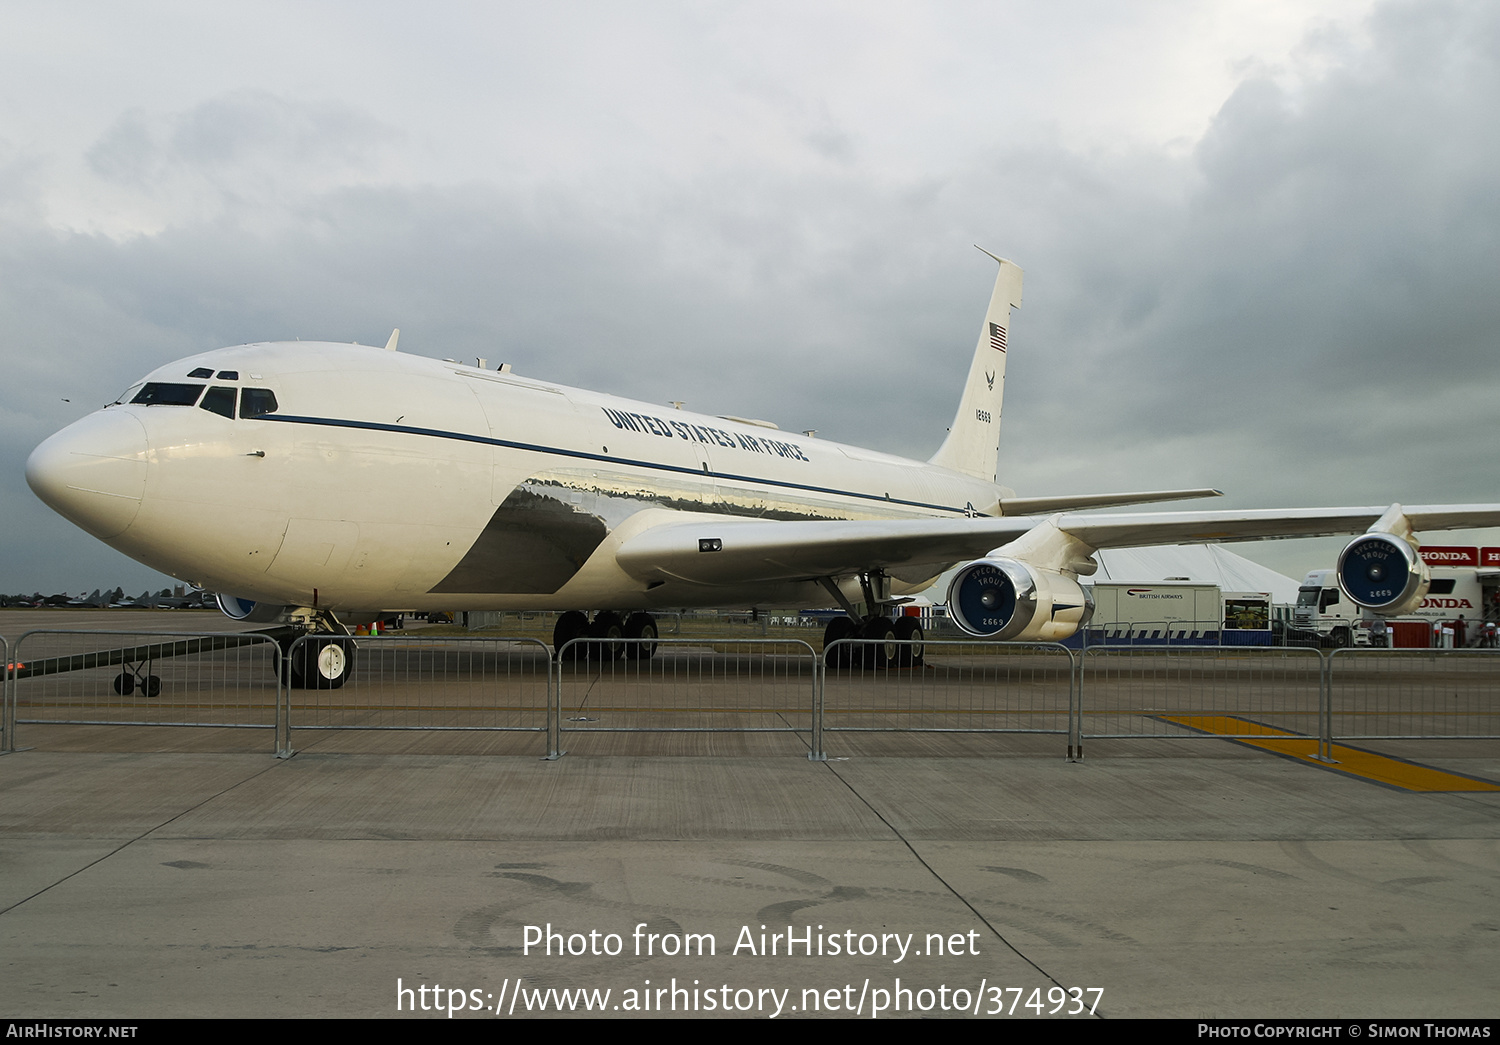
(610, 627)
(887, 643)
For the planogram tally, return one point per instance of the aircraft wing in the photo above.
(1147, 528)
(714, 549)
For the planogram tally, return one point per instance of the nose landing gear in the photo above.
(319, 663)
(320, 658)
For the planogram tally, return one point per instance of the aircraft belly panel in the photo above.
(314, 551)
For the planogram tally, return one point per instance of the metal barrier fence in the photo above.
(416, 682)
(687, 686)
(474, 683)
(7, 708)
(125, 678)
(1388, 694)
(1199, 691)
(947, 687)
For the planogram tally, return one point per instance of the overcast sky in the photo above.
(1260, 238)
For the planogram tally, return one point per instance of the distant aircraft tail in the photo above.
(973, 443)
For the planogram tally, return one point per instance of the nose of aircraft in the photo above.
(93, 472)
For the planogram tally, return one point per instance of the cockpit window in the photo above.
(220, 401)
(129, 393)
(166, 393)
(257, 401)
(202, 371)
(229, 375)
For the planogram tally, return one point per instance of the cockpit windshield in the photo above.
(167, 393)
(220, 398)
(257, 401)
(220, 401)
(129, 393)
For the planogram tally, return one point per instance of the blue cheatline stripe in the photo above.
(464, 437)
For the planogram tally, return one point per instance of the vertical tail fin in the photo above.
(973, 443)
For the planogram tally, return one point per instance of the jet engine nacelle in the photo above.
(253, 612)
(1008, 600)
(1382, 572)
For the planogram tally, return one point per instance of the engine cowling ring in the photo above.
(248, 610)
(1004, 599)
(992, 598)
(1383, 573)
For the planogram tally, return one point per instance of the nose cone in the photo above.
(93, 472)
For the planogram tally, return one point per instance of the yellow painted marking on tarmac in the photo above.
(1406, 775)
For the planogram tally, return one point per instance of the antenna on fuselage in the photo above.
(390, 346)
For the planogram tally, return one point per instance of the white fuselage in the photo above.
(385, 481)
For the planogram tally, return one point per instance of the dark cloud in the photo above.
(1298, 310)
(1317, 316)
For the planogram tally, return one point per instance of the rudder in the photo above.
(973, 443)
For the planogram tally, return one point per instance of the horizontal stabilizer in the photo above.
(1085, 501)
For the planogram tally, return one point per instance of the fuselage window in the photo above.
(167, 393)
(220, 401)
(257, 401)
(202, 371)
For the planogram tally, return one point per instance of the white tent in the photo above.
(1199, 563)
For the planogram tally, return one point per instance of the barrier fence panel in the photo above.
(1394, 694)
(688, 685)
(137, 678)
(1199, 692)
(416, 682)
(7, 707)
(947, 686)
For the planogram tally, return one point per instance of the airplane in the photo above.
(327, 484)
(94, 600)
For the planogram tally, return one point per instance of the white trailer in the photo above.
(1179, 612)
